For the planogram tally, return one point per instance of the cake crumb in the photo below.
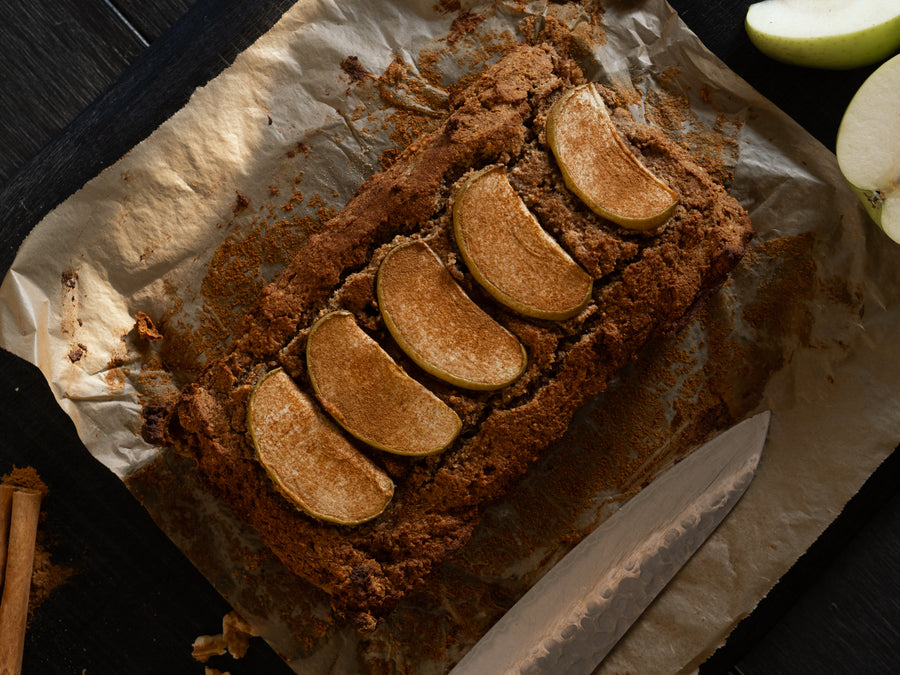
(241, 202)
(237, 633)
(76, 352)
(234, 639)
(207, 646)
(144, 327)
(355, 70)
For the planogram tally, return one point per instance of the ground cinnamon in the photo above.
(25, 512)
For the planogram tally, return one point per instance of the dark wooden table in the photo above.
(82, 81)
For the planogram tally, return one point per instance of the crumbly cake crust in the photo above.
(646, 284)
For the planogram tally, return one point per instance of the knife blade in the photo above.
(575, 614)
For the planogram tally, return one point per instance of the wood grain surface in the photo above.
(81, 82)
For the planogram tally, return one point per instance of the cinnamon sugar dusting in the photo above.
(401, 416)
(239, 268)
(441, 324)
(715, 147)
(513, 252)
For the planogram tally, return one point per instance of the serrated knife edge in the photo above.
(572, 617)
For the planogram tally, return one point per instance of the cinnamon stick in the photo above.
(6, 495)
(26, 509)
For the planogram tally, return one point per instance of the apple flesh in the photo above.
(833, 34)
(439, 326)
(600, 168)
(510, 254)
(868, 146)
(368, 394)
(309, 459)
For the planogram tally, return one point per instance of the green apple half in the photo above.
(834, 34)
(309, 459)
(868, 146)
(370, 395)
(439, 326)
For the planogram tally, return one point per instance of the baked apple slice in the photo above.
(439, 326)
(368, 394)
(598, 167)
(309, 458)
(510, 254)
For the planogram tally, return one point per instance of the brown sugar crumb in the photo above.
(299, 149)
(295, 201)
(241, 202)
(238, 269)
(588, 32)
(317, 201)
(407, 127)
(70, 279)
(465, 22)
(447, 6)
(145, 329)
(355, 70)
(236, 273)
(417, 103)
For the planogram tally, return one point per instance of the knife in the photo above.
(576, 613)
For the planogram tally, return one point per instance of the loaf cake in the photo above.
(641, 283)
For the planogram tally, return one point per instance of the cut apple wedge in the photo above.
(868, 146)
(598, 167)
(510, 254)
(439, 326)
(368, 394)
(309, 458)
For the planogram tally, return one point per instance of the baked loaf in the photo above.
(646, 284)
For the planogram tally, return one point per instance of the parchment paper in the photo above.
(811, 316)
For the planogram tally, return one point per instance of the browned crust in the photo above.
(645, 287)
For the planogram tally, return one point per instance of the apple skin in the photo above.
(868, 146)
(841, 51)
